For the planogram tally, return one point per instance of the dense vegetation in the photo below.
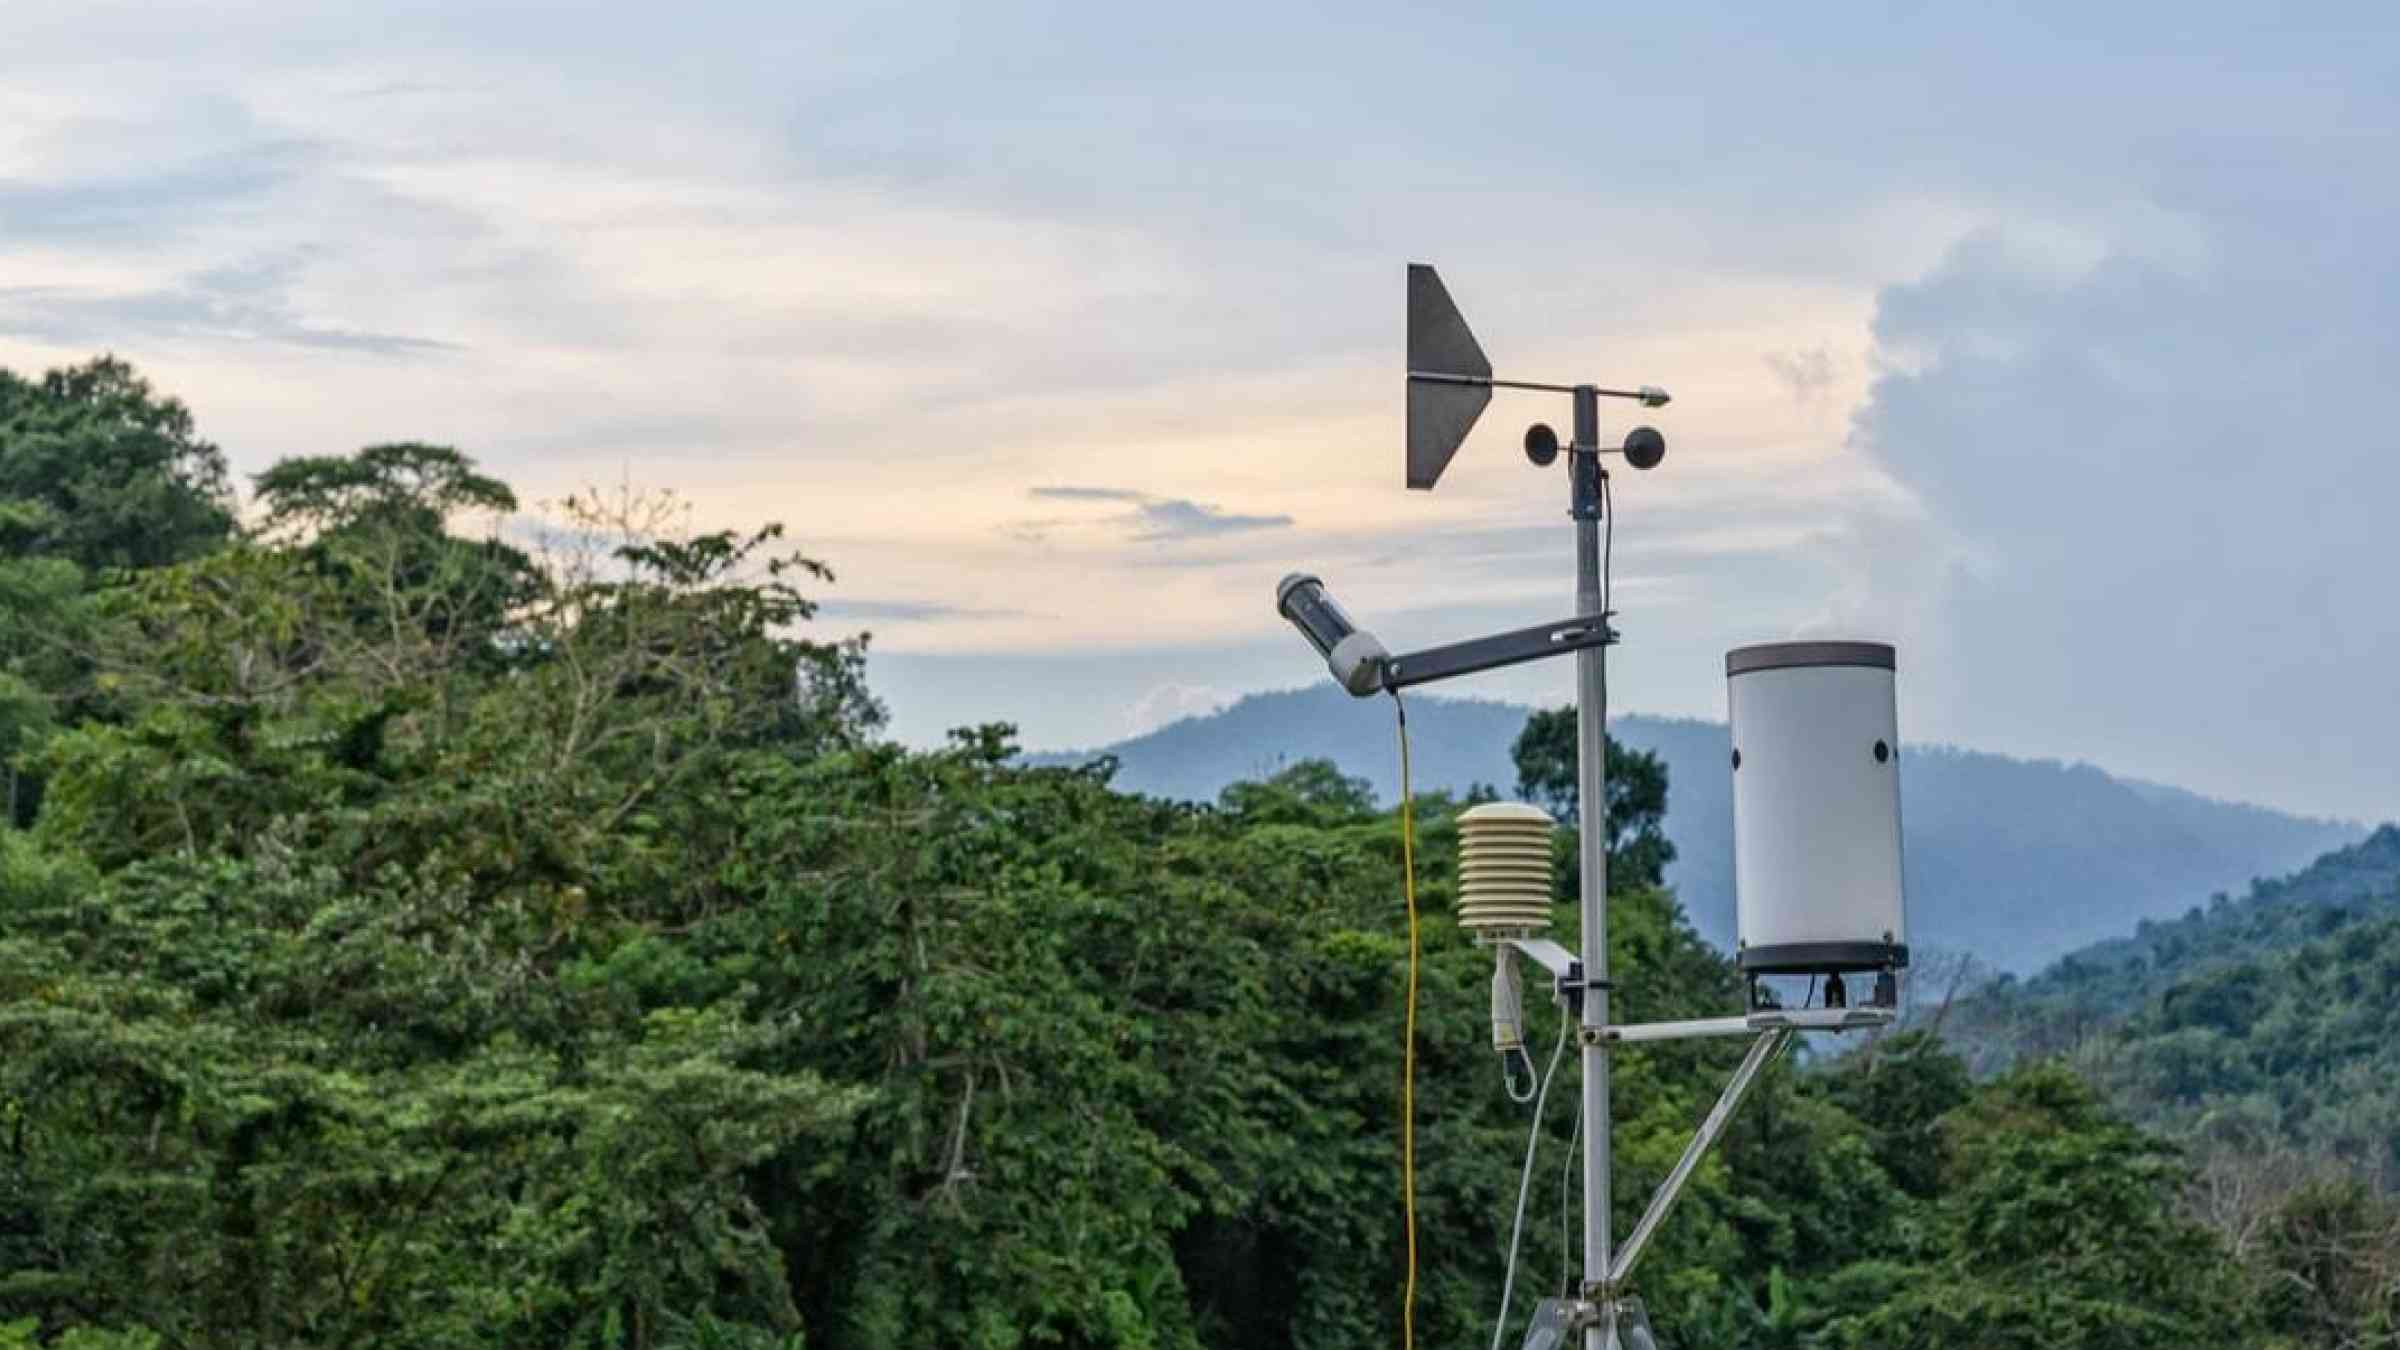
(428, 923)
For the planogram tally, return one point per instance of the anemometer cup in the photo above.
(1644, 447)
(1541, 445)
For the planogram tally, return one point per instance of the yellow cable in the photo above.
(1408, 1049)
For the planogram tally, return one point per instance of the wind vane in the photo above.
(1450, 382)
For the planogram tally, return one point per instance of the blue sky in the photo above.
(2053, 344)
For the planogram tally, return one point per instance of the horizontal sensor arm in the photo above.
(1490, 653)
(1649, 395)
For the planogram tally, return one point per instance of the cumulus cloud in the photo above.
(1167, 703)
(2161, 485)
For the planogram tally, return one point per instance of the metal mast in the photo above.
(1591, 782)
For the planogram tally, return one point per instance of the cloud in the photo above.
(167, 200)
(1163, 704)
(2159, 485)
(1809, 374)
(1089, 494)
(72, 317)
(1153, 519)
(246, 302)
(907, 611)
(801, 262)
(1174, 518)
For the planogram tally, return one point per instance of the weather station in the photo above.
(1815, 770)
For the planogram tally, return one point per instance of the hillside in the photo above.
(2300, 1047)
(2262, 1032)
(2017, 861)
(2098, 988)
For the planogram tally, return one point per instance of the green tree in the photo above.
(98, 476)
(1311, 792)
(97, 469)
(1545, 754)
(1900, 1090)
(2331, 1256)
(378, 523)
(2056, 1228)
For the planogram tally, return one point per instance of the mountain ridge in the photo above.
(2109, 984)
(2017, 861)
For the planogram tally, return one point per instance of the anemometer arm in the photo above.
(1649, 395)
(1491, 653)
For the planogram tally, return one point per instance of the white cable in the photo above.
(1533, 1141)
(1508, 1076)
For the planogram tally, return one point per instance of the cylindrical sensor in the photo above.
(1356, 659)
(1816, 808)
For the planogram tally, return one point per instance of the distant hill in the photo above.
(2016, 861)
(2263, 1029)
(2101, 987)
(2299, 1044)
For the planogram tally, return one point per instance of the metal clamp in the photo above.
(1584, 477)
(1560, 1323)
(1571, 992)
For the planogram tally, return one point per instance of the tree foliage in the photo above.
(97, 470)
(1546, 757)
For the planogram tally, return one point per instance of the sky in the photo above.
(2055, 345)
